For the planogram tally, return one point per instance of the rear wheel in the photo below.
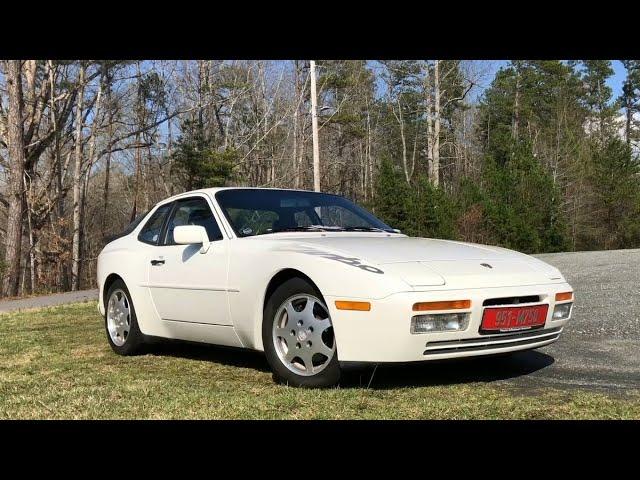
(298, 337)
(121, 323)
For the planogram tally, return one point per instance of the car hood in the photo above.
(433, 262)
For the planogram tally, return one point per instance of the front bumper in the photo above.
(383, 334)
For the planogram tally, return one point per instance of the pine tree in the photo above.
(391, 193)
(598, 98)
(521, 204)
(614, 182)
(197, 163)
(630, 100)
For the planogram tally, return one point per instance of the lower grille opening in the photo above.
(511, 300)
(497, 342)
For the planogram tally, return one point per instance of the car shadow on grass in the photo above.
(234, 357)
(432, 373)
(447, 372)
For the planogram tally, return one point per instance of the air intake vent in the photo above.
(511, 300)
(495, 342)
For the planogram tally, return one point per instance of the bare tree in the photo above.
(77, 179)
(314, 127)
(15, 197)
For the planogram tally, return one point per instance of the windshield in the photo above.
(258, 212)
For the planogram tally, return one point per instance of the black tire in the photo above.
(327, 377)
(134, 339)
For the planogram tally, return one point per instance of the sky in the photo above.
(616, 81)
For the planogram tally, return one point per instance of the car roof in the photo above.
(214, 190)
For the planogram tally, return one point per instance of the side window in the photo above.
(150, 233)
(193, 211)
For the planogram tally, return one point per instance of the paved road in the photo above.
(48, 300)
(599, 349)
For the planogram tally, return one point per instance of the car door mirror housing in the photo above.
(191, 235)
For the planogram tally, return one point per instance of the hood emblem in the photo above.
(486, 265)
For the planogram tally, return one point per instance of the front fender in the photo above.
(253, 264)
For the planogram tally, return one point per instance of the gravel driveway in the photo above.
(600, 347)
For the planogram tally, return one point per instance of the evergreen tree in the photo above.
(630, 100)
(597, 98)
(521, 205)
(391, 193)
(431, 211)
(197, 163)
(614, 182)
(533, 115)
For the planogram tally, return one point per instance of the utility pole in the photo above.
(314, 127)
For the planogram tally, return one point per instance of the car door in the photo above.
(186, 285)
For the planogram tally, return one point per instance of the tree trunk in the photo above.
(107, 165)
(63, 275)
(436, 125)
(15, 191)
(141, 120)
(314, 127)
(294, 154)
(32, 252)
(403, 138)
(427, 87)
(368, 181)
(138, 168)
(77, 187)
(87, 171)
(516, 108)
(629, 112)
(301, 126)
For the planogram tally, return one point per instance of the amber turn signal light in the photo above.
(564, 296)
(348, 305)
(446, 305)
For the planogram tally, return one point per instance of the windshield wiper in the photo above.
(305, 228)
(323, 228)
(366, 229)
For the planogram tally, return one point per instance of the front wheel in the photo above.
(121, 323)
(298, 338)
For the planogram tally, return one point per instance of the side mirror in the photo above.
(396, 230)
(191, 235)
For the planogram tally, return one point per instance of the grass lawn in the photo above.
(56, 363)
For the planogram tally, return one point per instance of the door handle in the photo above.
(157, 262)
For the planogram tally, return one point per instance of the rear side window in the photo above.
(128, 229)
(193, 211)
(151, 231)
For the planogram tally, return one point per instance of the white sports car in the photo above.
(317, 282)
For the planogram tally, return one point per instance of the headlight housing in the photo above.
(562, 311)
(440, 322)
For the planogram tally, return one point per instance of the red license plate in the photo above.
(505, 319)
